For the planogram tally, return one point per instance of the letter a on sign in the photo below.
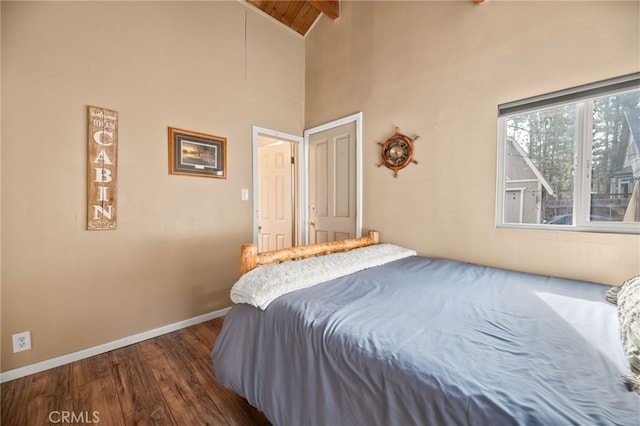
(102, 169)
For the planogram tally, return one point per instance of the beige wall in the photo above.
(433, 69)
(212, 67)
(439, 70)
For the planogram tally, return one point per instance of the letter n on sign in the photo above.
(102, 169)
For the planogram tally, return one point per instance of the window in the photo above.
(570, 160)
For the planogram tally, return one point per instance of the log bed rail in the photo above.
(251, 259)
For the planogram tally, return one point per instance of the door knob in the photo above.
(312, 223)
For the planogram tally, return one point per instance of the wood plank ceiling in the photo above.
(298, 15)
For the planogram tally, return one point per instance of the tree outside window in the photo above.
(575, 163)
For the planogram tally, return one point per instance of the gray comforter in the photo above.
(431, 342)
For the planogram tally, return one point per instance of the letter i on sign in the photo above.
(102, 168)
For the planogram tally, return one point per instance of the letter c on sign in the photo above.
(51, 414)
(97, 137)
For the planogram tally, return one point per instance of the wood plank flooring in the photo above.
(168, 380)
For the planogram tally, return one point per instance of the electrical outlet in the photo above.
(22, 341)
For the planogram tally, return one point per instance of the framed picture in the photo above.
(197, 154)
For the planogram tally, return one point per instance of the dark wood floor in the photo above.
(168, 380)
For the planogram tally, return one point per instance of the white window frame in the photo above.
(624, 181)
(583, 97)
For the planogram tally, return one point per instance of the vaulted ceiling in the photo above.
(298, 15)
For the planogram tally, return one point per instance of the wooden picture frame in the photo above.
(197, 154)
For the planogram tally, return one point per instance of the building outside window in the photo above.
(570, 160)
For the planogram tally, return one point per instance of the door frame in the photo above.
(298, 206)
(304, 213)
(303, 172)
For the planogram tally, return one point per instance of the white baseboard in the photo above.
(106, 347)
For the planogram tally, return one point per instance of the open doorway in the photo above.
(276, 189)
(340, 189)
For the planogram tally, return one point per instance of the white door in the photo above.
(513, 205)
(282, 191)
(336, 187)
(332, 184)
(275, 201)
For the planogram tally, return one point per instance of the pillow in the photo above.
(260, 286)
(628, 298)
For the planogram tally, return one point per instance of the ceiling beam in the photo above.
(331, 8)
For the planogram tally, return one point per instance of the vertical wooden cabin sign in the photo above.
(102, 169)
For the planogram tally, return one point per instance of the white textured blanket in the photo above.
(262, 285)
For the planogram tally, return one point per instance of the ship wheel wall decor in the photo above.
(397, 152)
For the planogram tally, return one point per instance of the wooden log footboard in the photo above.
(251, 259)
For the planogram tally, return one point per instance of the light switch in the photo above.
(244, 194)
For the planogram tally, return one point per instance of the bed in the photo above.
(412, 340)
